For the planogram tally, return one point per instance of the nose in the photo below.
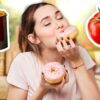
(59, 26)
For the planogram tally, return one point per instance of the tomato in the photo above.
(94, 28)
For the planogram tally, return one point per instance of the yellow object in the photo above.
(2, 13)
(72, 35)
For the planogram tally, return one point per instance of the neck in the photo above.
(51, 55)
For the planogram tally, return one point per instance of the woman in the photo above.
(40, 44)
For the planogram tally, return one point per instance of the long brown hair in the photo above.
(27, 27)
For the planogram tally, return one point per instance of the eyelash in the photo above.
(47, 24)
(57, 19)
(60, 18)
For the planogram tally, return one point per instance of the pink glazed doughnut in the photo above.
(54, 72)
(70, 31)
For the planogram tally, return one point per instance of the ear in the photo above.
(32, 39)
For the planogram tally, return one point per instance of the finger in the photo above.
(59, 37)
(42, 76)
(67, 76)
(66, 46)
(72, 43)
(63, 82)
(60, 40)
(59, 84)
(64, 66)
(59, 46)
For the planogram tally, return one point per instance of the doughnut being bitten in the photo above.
(54, 72)
(70, 31)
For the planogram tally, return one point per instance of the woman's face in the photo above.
(49, 21)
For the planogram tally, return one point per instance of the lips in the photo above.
(62, 30)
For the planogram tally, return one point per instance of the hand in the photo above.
(44, 87)
(68, 49)
(55, 87)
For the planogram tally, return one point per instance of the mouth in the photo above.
(62, 30)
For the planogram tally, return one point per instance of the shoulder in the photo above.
(22, 60)
(22, 63)
(24, 56)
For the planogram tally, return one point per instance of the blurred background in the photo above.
(76, 11)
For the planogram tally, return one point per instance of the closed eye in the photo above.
(59, 16)
(47, 24)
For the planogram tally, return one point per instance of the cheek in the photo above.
(66, 23)
(44, 31)
(46, 35)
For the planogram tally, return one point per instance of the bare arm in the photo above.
(85, 79)
(15, 93)
(38, 95)
(45, 87)
(87, 84)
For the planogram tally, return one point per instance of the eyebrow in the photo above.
(48, 16)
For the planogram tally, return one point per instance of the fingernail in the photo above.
(66, 70)
(61, 38)
(57, 40)
(68, 38)
(64, 77)
(62, 44)
(67, 42)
